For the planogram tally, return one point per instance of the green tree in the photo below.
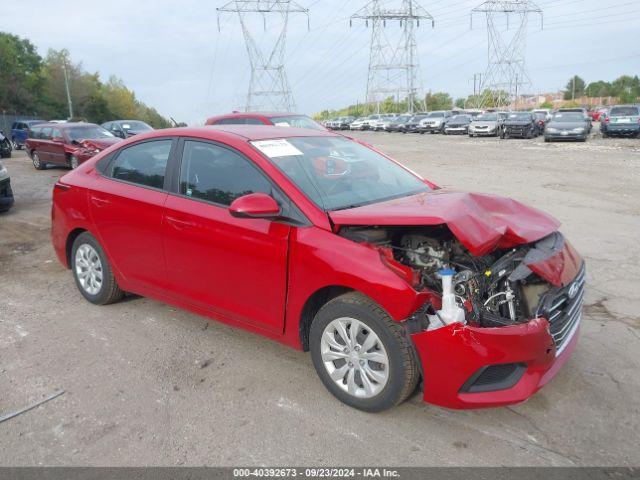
(627, 88)
(20, 79)
(575, 88)
(598, 89)
(438, 101)
(546, 105)
(461, 102)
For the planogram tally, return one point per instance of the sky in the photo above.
(176, 59)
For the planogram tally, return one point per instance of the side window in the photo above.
(35, 132)
(46, 133)
(56, 133)
(143, 164)
(231, 121)
(253, 121)
(107, 126)
(217, 174)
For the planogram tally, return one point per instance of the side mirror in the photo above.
(254, 205)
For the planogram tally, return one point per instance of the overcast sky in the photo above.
(175, 59)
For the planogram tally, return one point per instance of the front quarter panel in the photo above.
(318, 259)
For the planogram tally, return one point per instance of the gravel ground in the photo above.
(147, 384)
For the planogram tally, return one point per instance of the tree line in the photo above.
(31, 85)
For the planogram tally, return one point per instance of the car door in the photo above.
(234, 267)
(55, 149)
(43, 146)
(126, 203)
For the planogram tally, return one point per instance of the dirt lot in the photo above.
(147, 384)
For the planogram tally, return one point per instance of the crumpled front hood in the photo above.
(99, 144)
(481, 222)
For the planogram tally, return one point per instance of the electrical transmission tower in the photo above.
(393, 63)
(268, 86)
(506, 73)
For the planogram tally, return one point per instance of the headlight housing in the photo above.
(552, 130)
(578, 130)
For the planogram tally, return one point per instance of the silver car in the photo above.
(488, 124)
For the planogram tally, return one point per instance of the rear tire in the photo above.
(347, 370)
(37, 163)
(92, 272)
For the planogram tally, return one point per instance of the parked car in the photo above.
(345, 122)
(567, 126)
(598, 112)
(264, 118)
(377, 125)
(488, 124)
(520, 125)
(359, 123)
(622, 120)
(458, 125)
(413, 125)
(20, 132)
(127, 128)
(434, 121)
(66, 144)
(397, 123)
(5, 146)
(542, 118)
(387, 279)
(6, 194)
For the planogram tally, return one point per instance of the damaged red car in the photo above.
(66, 144)
(329, 246)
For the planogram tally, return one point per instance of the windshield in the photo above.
(568, 117)
(135, 125)
(337, 173)
(403, 118)
(460, 119)
(487, 117)
(624, 111)
(436, 114)
(88, 133)
(298, 121)
(519, 116)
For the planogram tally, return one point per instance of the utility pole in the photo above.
(393, 64)
(268, 85)
(66, 86)
(506, 69)
(573, 89)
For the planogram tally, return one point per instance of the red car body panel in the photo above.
(265, 118)
(481, 222)
(259, 274)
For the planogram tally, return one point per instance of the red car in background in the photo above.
(322, 243)
(266, 118)
(66, 144)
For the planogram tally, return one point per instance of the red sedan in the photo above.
(279, 119)
(329, 246)
(66, 144)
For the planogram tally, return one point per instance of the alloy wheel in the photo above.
(354, 357)
(89, 269)
(36, 160)
(73, 161)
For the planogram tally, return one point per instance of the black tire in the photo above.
(37, 163)
(16, 145)
(73, 162)
(109, 292)
(403, 366)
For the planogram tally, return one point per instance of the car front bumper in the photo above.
(429, 128)
(6, 195)
(456, 131)
(485, 132)
(565, 136)
(454, 358)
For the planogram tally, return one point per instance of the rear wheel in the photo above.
(362, 356)
(92, 272)
(37, 163)
(16, 145)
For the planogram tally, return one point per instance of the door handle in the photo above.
(100, 202)
(179, 224)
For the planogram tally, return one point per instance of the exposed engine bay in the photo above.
(493, 290)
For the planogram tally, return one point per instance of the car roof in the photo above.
(244, 132)
(64, 126)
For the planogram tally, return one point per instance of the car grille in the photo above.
(517, 130)
(565, 311)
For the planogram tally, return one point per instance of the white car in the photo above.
(434, 121)
(358, 124)
(6, 194)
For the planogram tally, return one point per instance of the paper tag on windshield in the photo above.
(276, 148)
(282, 124)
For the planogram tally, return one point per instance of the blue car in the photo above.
(20, 132)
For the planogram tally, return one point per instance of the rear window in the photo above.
(624, 112)
(298, 121)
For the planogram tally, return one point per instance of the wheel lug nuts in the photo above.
(362, 363)
(346, 350)
(357, 349)
(351, 364)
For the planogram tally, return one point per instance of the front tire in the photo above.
(92, 272)
(73, 162)
(361, 355)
